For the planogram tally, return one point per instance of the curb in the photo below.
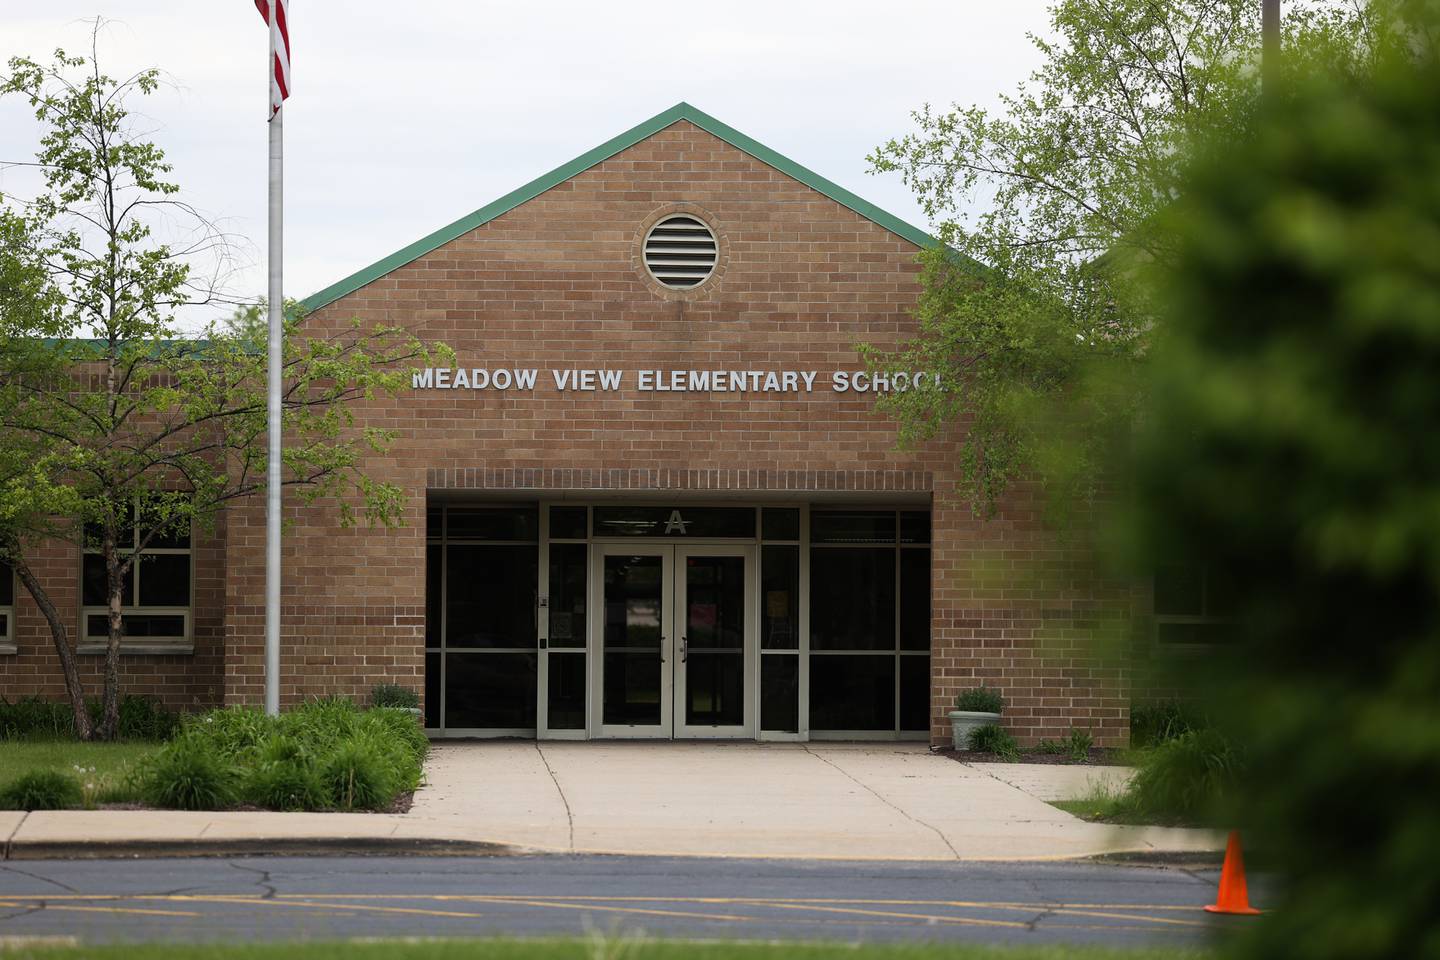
(1162, 858)
(272, 847)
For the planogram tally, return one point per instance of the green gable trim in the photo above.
(531, 190)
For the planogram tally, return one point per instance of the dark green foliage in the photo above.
(283, 777)
(42, 790)
(981, 699)
(33, 717)
(394, 695)
(141, 718)
(1078, 743)
(1154, 723)
(233, 732)
(992, 738)
(327, 754)
(1291, 444)
(188, 774)
(360, 774)
(1186, 779)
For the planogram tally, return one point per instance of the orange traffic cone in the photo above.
(1233, 897)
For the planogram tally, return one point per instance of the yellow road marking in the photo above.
(927, 917)
(606, 904)
(483, 898)
(257, 901)
(135, 910)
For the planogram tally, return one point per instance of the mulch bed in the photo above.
(1098, 756)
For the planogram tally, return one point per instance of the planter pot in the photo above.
(965, 722)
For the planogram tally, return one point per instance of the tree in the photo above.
(118, 429)
(1288, 441)
(1033, 309)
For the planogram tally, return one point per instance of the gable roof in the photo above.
(531, 190)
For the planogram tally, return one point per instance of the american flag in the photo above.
(280, 45)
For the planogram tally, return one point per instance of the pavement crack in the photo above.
(35, 876)
(263, 881)
(569, 816)
(885, 800)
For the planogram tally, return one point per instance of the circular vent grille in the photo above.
(680, 251)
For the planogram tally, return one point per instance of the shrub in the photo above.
(992, 738)
(188, 774)
(42, 790)
(402, 727)
(324, 754)
(981, 699)
(1154, 723)
(143, 718)
(235, 733)
(32, 716)
(1078, 743)
(358, 774)
(284, 785)
(394, 695)
(1188, 777)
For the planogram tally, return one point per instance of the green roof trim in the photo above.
(606, 150)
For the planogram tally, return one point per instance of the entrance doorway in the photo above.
(675, 638)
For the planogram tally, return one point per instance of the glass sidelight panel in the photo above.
(566, 696)
(567, 594)
(490, 690)
(713, 641)
(633, 639)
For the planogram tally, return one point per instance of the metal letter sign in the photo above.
(675, 523)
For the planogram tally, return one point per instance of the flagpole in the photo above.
(276, 359)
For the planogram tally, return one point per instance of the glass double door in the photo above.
(675, 645)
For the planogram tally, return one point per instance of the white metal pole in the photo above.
(276, 359)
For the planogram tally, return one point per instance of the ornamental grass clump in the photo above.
(324, 755)
(992, 738)
(188, 774)
(360, 774)
(42, 790)
(394, 695)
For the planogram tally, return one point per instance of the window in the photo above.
(1194, 606)
(7, 604)
(869, 621)
(482, 571)
(156, 595)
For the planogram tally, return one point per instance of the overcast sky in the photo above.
(404, 117)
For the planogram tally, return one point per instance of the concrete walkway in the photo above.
(829, 801)
(851, 801)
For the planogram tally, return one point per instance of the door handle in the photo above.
(662, 649)
(684, 649)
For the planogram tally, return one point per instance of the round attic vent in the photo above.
(680, 251)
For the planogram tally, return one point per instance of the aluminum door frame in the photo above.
(596, 615)
(749, 651)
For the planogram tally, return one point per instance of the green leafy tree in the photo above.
(1289, 442)
(112, 419)
(1033, 309)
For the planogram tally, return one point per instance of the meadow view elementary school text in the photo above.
(653, 497)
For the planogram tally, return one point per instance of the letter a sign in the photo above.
(675, 523)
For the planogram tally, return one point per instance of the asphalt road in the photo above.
(341, 898)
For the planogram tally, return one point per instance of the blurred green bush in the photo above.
(1291, 443)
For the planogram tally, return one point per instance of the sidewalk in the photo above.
(813, 801)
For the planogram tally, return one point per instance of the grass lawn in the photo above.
(1102, 807)
(103, 766)
(599, 948)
